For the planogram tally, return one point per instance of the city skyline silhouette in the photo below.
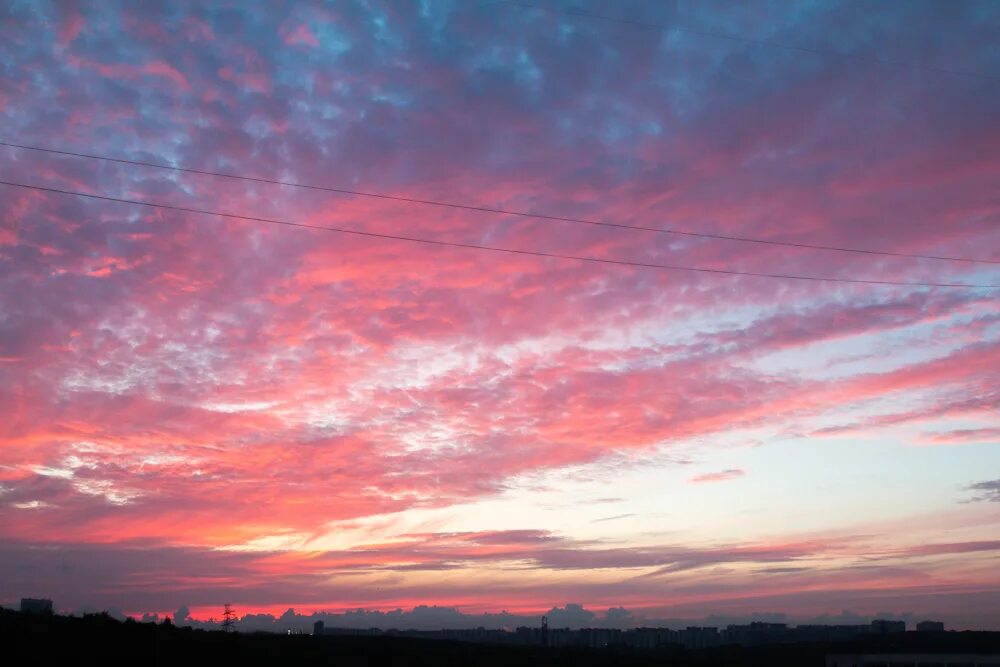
(439, 315)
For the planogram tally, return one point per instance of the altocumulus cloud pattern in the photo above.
(200, 410)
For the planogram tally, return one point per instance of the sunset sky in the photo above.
(197, 410)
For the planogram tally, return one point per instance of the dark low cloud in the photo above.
(158, 578)
(955, 548)
(614, 518)
(988, 491)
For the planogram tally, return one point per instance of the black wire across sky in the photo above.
(496, 249)
(494, 210)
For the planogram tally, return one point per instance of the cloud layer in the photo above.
(176, 386)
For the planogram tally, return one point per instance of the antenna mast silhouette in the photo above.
(228, 618)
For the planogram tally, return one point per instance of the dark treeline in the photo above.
(101, 640)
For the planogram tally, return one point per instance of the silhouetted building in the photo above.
(599, 637)
(830, 633)
(698, 637)
(647, 637)
(883, 627)
(562, 637)
(912, 660)
(691, 638)
(756, 633)
(930, 626)
(36, 606)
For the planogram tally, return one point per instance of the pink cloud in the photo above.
(720, 476)
(70, 29)
(155, 68)
(301, 34)
(962, 436)
(256, 81)
(165, 69)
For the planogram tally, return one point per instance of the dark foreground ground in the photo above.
(100, 640)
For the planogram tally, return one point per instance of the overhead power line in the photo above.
(653, 25)
(497, 249)
(492, 209)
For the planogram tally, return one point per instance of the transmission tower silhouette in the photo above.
(228, 618)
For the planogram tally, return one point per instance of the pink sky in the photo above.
(196, 410)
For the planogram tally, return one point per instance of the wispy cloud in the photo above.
(614, 518)
(720, 476)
